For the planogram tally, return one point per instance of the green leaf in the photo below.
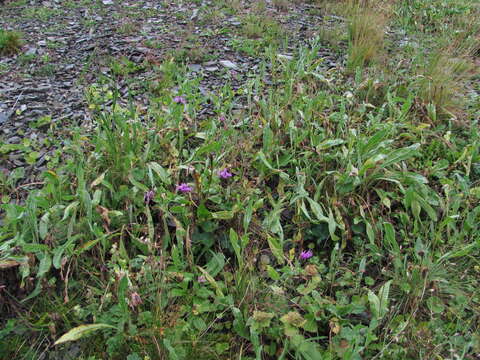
(160, 171)
(373, 142)
(261, 319)
(390, 238)
(45, 264)
(329, 143)
(435, 305)
(81, 331)
(274, 275)
(212, 281)
(370, 232)
(236, 247)
(400, 155)
(216, 264)
(209, 148)
(122, 294)
(98, 180)
(223, 215)
(171, 351)
(137, 184)
(239, 323)
(276, 249)
(43, 226)
(317, 210)
(379, 304)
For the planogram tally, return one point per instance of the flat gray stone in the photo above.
(228, 64)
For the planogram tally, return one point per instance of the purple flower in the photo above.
(222, 119)
(306, 254)
(225, 174)
(179, 100)
(184, 188)
(201, 279)
(148, 197)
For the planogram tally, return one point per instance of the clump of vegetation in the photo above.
(261, 26)
(10, 42)
(442, 81)
(366, 31)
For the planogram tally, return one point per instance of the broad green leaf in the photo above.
(317, 210)
(45, 264)
(33, 248)
(370, 232)
(379, 304)
(329, 143)
(172, 353)
(122, 294)
(161, 172)
(212, 281)
(276, 249)
(209, 148)
(98, 180)
(71, 207)
(43, 226)
(390, 238)
(274, 275)
(400, 155)
(216, 264)
(223, 215)
(81, 331)
(373, 142)
(137, 184)
(262, 157)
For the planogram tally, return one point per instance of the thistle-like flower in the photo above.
(184, 188)
(179, 100)
(148, 197)
(306, 254)
(225, 174)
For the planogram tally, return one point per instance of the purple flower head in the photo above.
(201, 279)
(306, 254)
(179, 100)
(225, 174)
(148, 197)
(184, 188)
(222, 119)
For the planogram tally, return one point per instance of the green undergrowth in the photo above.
(334, 215)
(10, 42)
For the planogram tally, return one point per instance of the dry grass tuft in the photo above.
(366, 36)
(442, 81)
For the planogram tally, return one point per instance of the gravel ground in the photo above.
(66, 46)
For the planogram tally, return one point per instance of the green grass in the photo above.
(371, 168)
(10, 42)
